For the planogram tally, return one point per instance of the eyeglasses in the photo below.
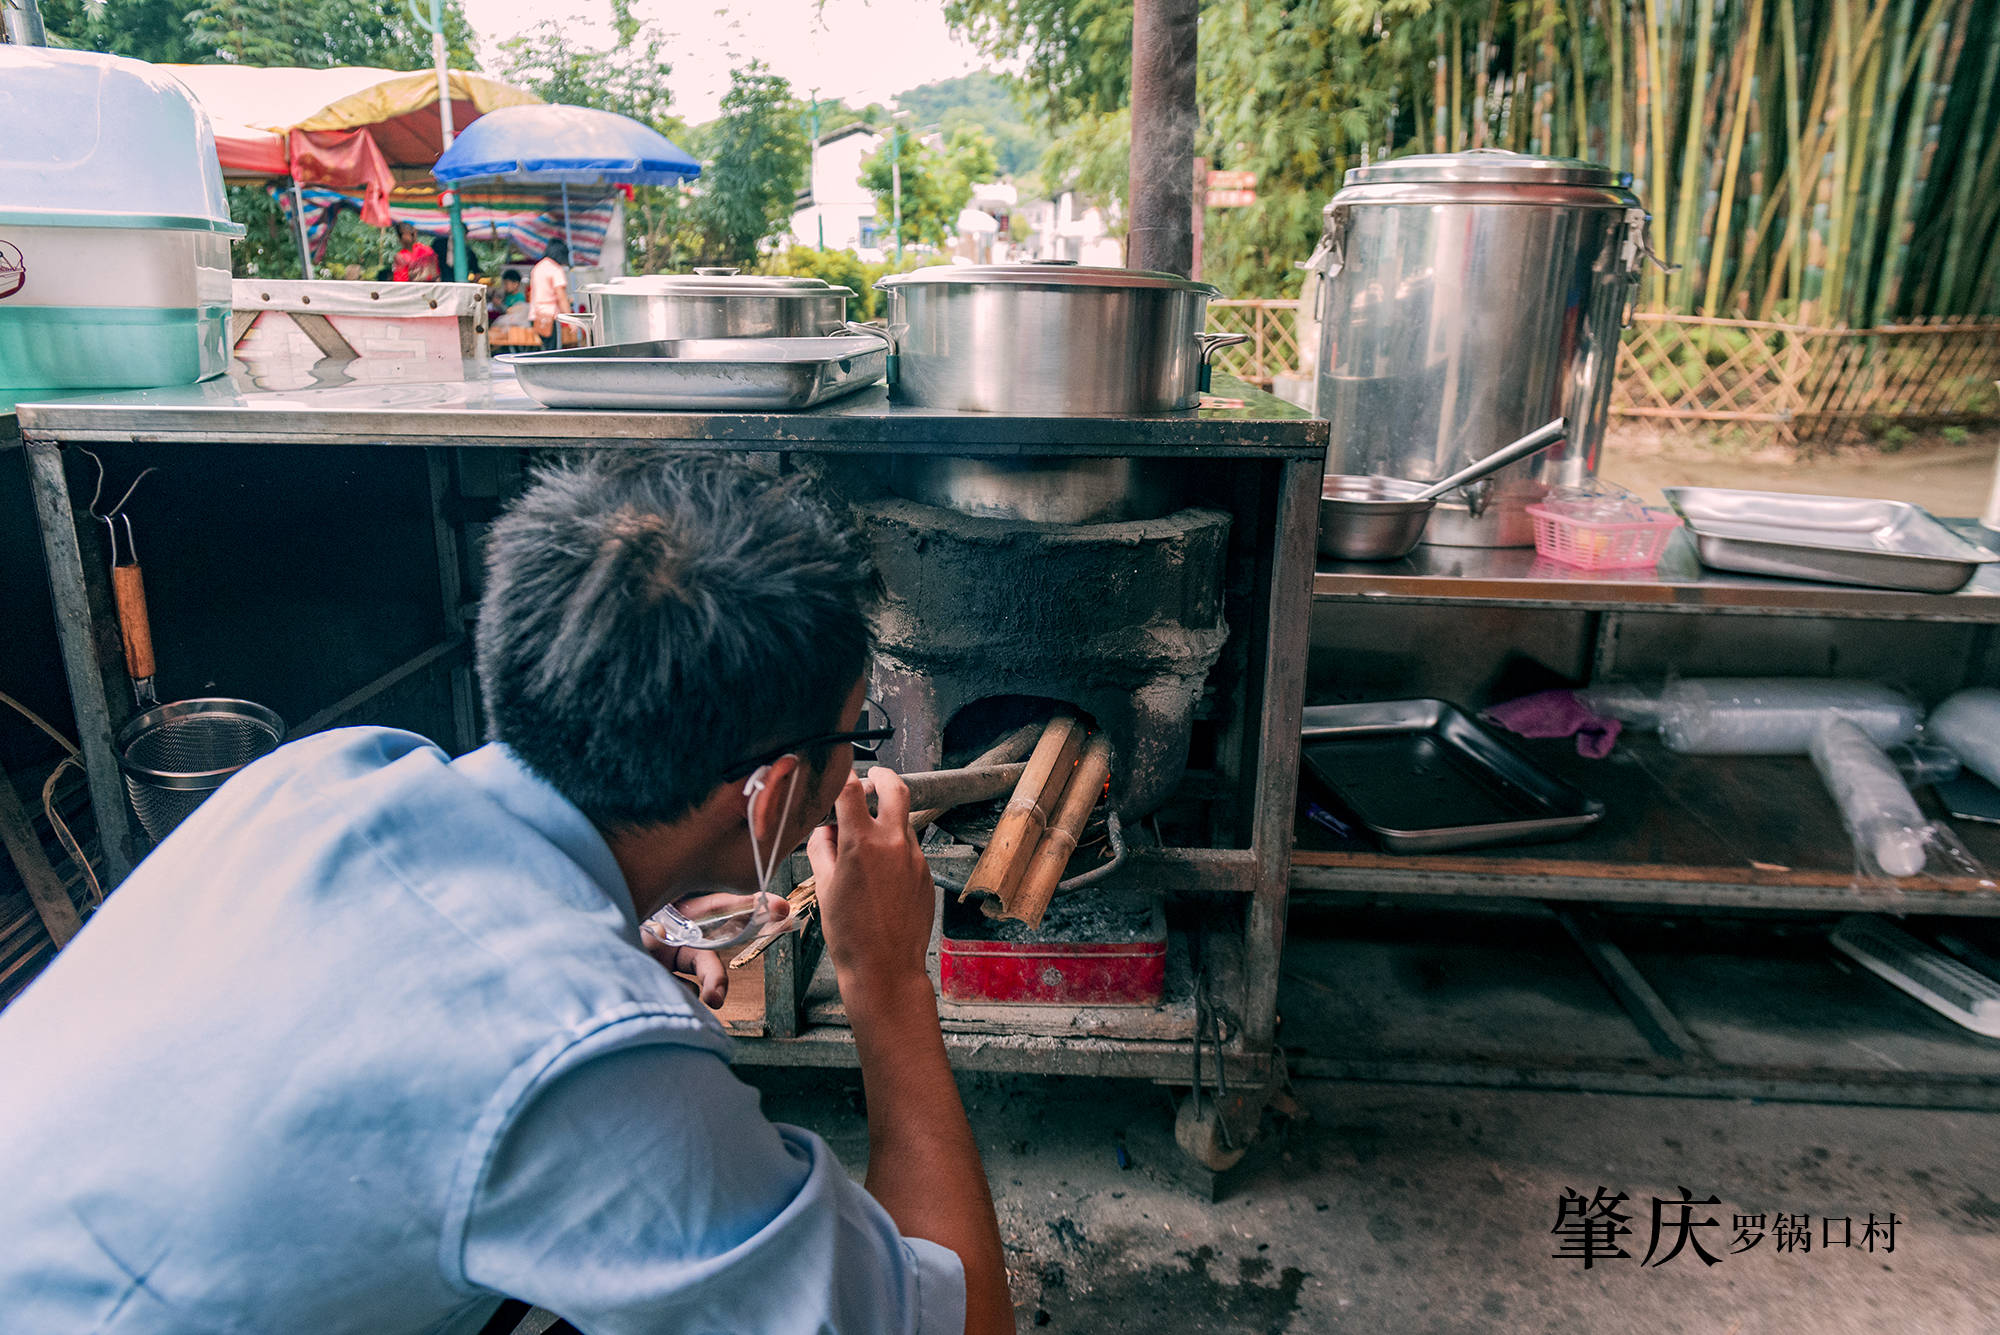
(872, 730)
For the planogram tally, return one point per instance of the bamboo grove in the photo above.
(1828, 161)
(1825, 161)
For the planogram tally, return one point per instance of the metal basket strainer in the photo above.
(174, 756)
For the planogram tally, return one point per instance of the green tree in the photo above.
(754, 162)
(1093, 158)
(1077, 53)
(937, 183)
(630, 78)
(315, 34)
(987, 101)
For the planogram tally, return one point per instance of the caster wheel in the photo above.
(1203, 1137)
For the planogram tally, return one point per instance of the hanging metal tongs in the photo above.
(128, 590)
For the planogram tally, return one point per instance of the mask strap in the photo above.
(751, 787)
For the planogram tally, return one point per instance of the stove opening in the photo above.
(985, 721)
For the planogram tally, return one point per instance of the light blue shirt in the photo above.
(370, 1042)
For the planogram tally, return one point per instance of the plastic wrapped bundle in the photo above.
(1881, 817)
(1777, 716)
(1969, 723)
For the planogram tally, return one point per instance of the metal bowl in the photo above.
(1370, 518)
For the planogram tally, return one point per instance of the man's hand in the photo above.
(876, 898)
(706, 967)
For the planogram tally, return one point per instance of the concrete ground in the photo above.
(1415, 1209)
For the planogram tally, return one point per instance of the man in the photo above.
(511, 294)
(416, 261)
(371, 1041)
(548, 294)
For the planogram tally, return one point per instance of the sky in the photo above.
(861, 51)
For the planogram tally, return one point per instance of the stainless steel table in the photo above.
(1280, 449)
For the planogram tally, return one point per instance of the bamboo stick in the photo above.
(1481, 79)
(1458, 136)
(1933, 90)
(1615, 33)
(1891, 96)
(1037, 886)
(1579, 111)
(1439, 138)
(1027, 814)
(1832, 264)
(1864, 171)
(1949, 294)
(1661, 149)
(1732, 161)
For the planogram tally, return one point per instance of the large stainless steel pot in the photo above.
(713, 303)
(1467, 298)
(1053, 339)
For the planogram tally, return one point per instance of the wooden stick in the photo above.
(1027, 814)
(1038, 884)
(45, 888)
(1009, 749)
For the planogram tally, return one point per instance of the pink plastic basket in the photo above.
(1591, 544)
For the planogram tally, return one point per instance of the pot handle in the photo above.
(1208, 345)
(888, 338)
(717, 271)
(585, 325)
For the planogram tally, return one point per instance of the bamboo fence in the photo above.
(1789, 383)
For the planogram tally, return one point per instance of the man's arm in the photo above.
(876, 903)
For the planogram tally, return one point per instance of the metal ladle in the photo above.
(1367, 518)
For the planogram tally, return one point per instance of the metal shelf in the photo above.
(1745, 832)
(1517, 577)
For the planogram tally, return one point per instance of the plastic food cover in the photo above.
(102, 141)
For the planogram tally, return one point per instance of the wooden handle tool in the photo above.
(128, 591)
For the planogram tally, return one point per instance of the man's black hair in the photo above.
(652, 618)
(557, 251)
(512, 275)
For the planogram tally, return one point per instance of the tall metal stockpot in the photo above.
(1050, 337)
(1466, 298)
(714, 303)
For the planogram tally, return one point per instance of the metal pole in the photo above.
(1164, 120)
(21, 21)
(299, 223)
(441, 61)
(568, 240)
(896, 189)
(812, 173)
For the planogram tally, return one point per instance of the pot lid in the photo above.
(1044, 273)
(1487, 166)
(719, 283)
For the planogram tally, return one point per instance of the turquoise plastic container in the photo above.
(114, 226)
(111, 347)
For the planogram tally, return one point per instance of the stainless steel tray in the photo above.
(702, 374)
(1837, 539)
(1424, 778)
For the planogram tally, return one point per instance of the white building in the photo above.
(1064, 228)
(834, 198)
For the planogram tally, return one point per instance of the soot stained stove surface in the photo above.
(1121, 620)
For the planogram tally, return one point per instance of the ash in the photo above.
(1075, 917)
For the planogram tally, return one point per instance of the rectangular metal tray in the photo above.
(702, 374)
(1836, 539)
(1424, 778)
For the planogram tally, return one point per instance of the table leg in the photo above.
(91, 655)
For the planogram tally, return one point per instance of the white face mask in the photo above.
(672, 927)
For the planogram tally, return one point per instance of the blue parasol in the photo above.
(556, 145)
(564, 146)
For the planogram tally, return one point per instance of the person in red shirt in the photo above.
(416, 262)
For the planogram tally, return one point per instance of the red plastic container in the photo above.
(1045, 970)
